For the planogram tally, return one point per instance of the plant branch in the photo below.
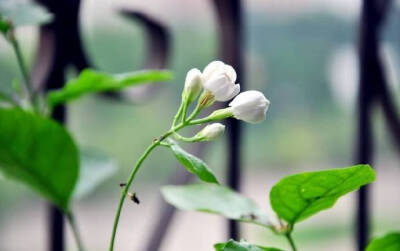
(132, 177)
(126, 189)
(22, 66)
(290, 240)
(72, 223)
(185, 139)
(185, 109)
(200, 121)
(178, 114)
(195, 112)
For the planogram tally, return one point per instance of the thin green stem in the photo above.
(200, 121)
(185, 139)
(132, 177)
(178, 114)
(74, 227)
(22, 66)
(290, 240)
(195, 112)
(126, 189)
(184, 114)
(174, 128)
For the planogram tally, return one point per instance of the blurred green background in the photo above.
(304, 61)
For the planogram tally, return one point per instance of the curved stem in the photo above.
(132, 177)
(178, 114)
(195, 112)
(291, 242)
(72, 223)
(184, 114)
(126, 188)
(22, 66)
(200, 121)
(185, 139)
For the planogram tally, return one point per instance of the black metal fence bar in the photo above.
(372, 90)
(59, 46)
(231, 51)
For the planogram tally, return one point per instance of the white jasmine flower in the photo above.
(210, 132)
(193, 85)
(219, 79)
(250, 106)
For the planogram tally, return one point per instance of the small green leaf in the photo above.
(39, 153)
(193, 164)
(299, 196)
(90, 81)
(5, 25)
(389, 242)
(24, 12)
(95, 168)
(216, 199)
(233, 245)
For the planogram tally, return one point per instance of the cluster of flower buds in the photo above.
(218, 83)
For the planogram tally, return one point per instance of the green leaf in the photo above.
(389, 242)
(216, 199)
(40, 153)
(5, 25)
(233, 245)
(193, 164)
(24, 12)
(299, 196)
(95, 168)
(90, 81)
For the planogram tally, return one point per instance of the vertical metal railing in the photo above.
(59, 46)
(373, 90)
(229, 14)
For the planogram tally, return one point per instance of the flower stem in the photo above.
(72, 223)
(132, 177)
(126, 188)
(178, 114)
(14, 42)
(290, 240)
(195, 112)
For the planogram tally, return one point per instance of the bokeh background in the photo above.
(301, 54)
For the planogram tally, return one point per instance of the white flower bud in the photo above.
(210, 132)
(219, 79)
(250, 106)
(193, 85)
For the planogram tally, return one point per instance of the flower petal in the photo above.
(212, 69)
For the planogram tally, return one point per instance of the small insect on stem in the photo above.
(134, 198)
(250, 216)
(253, 216)
(122, 184)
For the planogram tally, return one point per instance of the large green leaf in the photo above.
(24, 12)
(40, 153)
(212, 198)
(193, 164)
(95, 168)
(90, 81)
(299, 196)
(389, 242)
(233, 245)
